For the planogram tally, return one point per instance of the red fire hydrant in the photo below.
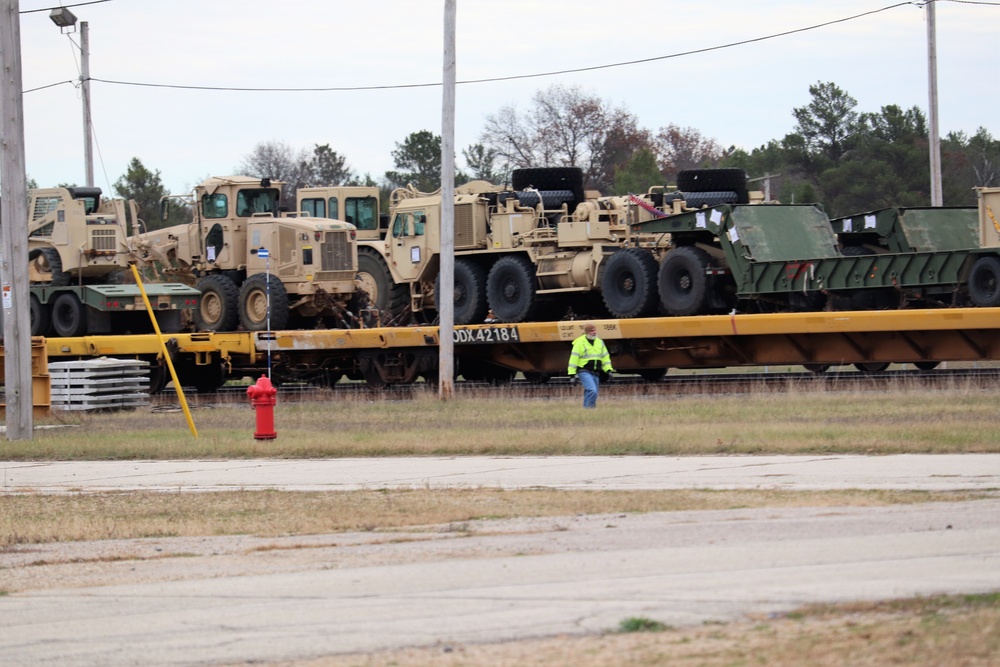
(262, 400)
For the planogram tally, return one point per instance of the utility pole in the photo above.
(932, 115)
(14, 230)
(88, 144)
(446, 299)
(66, 22)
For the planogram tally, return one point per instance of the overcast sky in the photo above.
(741, 95)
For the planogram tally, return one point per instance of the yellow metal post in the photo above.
(163, 350)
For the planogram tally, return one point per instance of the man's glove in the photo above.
(606, 376)
(574, 379)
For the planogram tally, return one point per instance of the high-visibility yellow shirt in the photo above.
(589, 355)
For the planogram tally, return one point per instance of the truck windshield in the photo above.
(249, 202)
(362, 212)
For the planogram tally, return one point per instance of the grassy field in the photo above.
(956, 420)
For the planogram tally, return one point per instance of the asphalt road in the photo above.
(501, 580)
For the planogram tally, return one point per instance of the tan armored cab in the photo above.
(256, 266)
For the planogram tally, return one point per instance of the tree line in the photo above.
(836, 155)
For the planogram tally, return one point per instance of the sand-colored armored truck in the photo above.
(78, 256)
(256, 266)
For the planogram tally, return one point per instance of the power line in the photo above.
(49, 9)
(516, 77)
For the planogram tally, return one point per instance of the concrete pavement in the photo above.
(907, 471)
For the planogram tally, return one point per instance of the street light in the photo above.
(64, 18)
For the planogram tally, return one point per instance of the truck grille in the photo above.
(465, 233)
(104, 239)
(335, 252)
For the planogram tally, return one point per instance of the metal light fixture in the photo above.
(66, 20)
(63, 17)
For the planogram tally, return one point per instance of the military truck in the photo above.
(257, 267)
(532, 251)
(747, 258)
(356, 204)
(78, 256)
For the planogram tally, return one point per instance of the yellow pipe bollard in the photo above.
(163, 349)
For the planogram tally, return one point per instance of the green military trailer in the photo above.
(908, 229)
(767, 258)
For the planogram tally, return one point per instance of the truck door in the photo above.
(409, 243)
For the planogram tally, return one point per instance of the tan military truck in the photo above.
(77, 259)
(257, 267)
(536, 250)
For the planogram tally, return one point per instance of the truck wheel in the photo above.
(470, 292)
(511, 289)
(41, 318)
(549, 178)
(254, 301)
(375, 279)
(683, 282)
(218, 309)
(628, 283)
(984, 282)
(45, 268)
(69, 316)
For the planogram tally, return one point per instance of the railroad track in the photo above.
(846, 379)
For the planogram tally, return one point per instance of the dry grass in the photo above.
(941, 631)
(53, 518)
(957, 420)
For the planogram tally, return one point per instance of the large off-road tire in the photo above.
(69, 316)
(45, 268)
(549, 178)
(218, 309)
(471, 306)
(683, 282)
(628, 283)
(984, 282)
(258, 296)
(41, 317)
(511, 288)
(375, 279)
(712, 180)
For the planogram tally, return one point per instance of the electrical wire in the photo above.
(528, 76)
(49, 9)
(515, 77)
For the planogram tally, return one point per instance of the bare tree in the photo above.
(278, 161)
(565, 127)
(679, 148)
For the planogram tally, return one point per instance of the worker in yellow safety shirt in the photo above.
(589, 362)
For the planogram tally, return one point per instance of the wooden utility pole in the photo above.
(446, 299)
(932, 114)
(88, 144)
(14, 229)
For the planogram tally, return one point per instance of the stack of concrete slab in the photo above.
(99, 384)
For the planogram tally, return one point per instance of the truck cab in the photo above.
(76, 235)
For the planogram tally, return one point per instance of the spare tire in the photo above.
(549, 178)
(700, 199)
(712, 180)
